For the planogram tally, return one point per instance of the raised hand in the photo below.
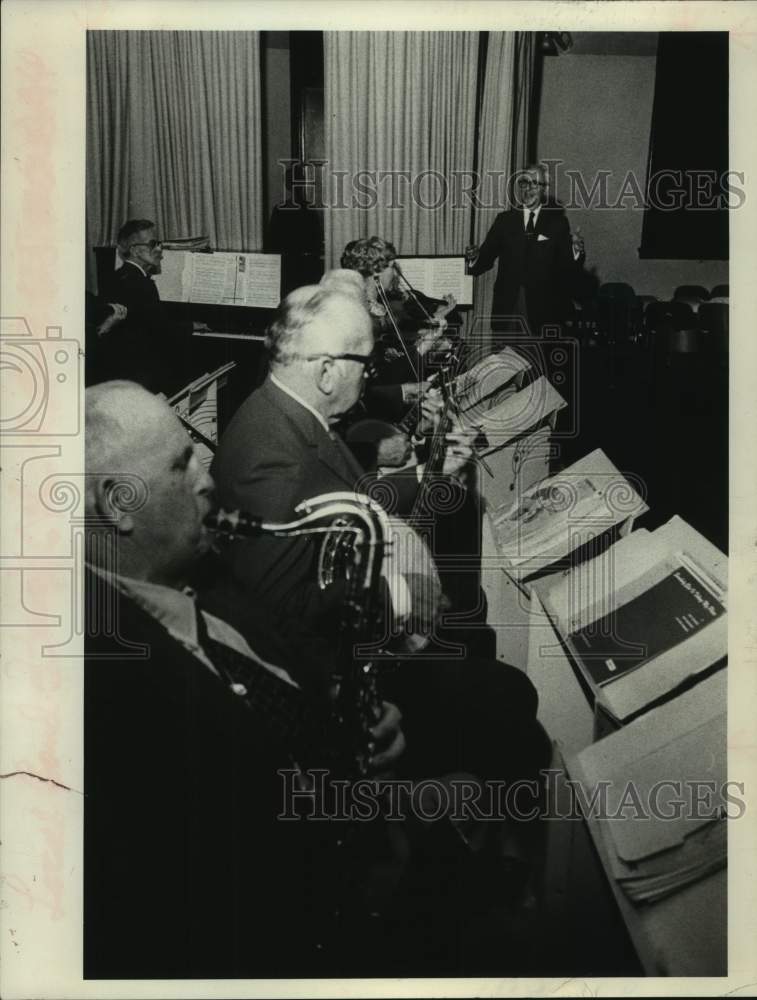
(429, 337)
(577, 243)
(431, 409)
(412, 391)
(445, 307)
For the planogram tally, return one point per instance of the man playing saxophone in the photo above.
(187, 719)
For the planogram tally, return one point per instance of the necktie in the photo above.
(276, 706)
(530, 229)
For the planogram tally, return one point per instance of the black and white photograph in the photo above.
(379, 499)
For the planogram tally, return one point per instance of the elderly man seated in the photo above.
(460, 711)
(146, 345)
(188, 721)
(187, 870)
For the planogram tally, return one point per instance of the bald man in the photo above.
(187, 871)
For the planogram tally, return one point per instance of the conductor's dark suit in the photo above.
(541, 264)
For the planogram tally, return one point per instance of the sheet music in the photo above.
(439, 276)
(214, 279)
(172, 278)
(550, 520)
(239, 279)
(263, 280)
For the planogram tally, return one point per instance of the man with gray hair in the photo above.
(146, 347)
(187, 871)
(538, 259)
(280, 448)
(278, 451)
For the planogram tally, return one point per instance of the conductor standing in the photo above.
(538, 258)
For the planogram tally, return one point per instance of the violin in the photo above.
(378, 442)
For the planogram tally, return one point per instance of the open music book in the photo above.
(439, 276)
(232, 279)
(563, 513)
(490, 380)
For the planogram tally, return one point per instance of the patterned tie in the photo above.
(276, 705)
(530, 228)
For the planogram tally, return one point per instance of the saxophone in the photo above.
(354, 532)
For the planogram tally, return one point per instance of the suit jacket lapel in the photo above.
(545, 224)
(337, 459)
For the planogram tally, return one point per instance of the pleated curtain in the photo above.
(174, 135)
(404, 102)
(503, 146)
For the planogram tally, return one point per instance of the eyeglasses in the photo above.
(150, 244)
(366, 360)
(523, 183)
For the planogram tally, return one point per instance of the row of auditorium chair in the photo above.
(693, 320)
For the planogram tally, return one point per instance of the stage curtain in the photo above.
(402, 102)
(504, 142)
(174, 135)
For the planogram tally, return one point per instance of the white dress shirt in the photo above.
(526, 211)
(176, 611)
(529, 211)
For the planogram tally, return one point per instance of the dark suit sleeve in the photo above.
(144, 307)
(279, 572)
(396, 492)
(385, 402)
(139, 295)
(491, 247)
(284, 571)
